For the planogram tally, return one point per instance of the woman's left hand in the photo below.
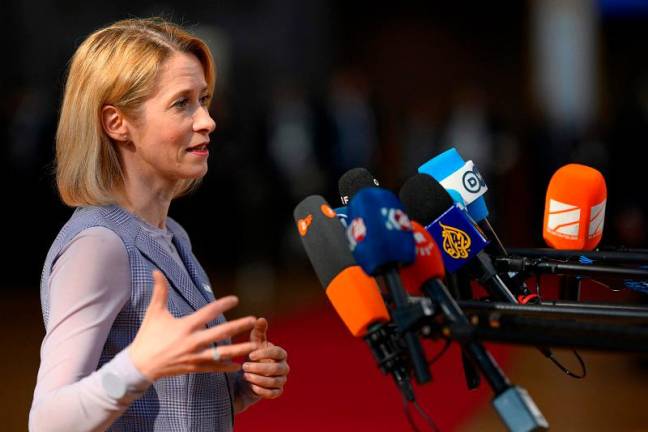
(266, 369)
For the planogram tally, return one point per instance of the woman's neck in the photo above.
(146, 201)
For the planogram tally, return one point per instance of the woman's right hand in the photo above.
(167, 346)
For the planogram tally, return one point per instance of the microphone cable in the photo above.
(422, 413)
(537, 276)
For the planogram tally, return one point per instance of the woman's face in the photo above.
(171, 134)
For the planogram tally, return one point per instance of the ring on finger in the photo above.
(215, 354)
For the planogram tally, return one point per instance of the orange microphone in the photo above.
(575, 208)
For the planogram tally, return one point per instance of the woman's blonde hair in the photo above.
(117, 65)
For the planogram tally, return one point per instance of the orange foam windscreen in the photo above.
(575, 208)
(357, 300)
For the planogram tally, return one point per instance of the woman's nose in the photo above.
(203, 121)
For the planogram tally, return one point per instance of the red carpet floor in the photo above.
(335, 385)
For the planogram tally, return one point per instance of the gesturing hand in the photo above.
(166, 346)
(266, 369)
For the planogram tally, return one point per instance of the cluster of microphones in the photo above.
(400, 269)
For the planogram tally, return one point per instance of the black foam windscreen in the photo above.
(354, 180)
(424, 198)
(323, 237)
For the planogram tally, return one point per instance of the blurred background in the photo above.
(309, 89)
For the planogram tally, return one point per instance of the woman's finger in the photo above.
(260, 330)
(266, 393)
(265, 382)
(223, 331)
(211, 366)
(226, 352)
(211, 311)
(267, 369)
(272, 352)
(160, 296)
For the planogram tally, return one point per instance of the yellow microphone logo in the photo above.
(456, 242)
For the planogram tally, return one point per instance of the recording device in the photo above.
(354, 295)
(349, 183)
(512, 403)
(354, 180)
(461, 244)
(575, 208)
(466, 186)
(380, 237)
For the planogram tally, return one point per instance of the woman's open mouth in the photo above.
(199, 150)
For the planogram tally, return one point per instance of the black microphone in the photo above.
(355, 296)
(427, 202)
(354, 180)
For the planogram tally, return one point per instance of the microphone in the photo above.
(465, 184)
(513, 403)
(354, 295)
(349, 183)
(352, 181)
(575, 208)
(380, 237)
(461, 243)
(428, 263)
(420, 276)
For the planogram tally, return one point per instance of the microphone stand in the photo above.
(460, 285)
(513, 404)
(540, 265)
(639, 256)
(392, 281)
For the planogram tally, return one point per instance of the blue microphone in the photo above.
(379, 231)
(462, 178)
(381, 239)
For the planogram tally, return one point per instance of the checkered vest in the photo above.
(192, 402)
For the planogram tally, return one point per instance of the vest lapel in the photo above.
(177, 278)
(198, 278)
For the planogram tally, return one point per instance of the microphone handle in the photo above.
(459, 284)
(491, 280)
(436, 290)
(516, 408)
(414, 347)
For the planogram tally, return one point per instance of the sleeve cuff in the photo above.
(122, 381)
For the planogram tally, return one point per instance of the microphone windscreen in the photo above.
(575, 208)
(357, 300)
(424, 198)
(354, 180)
(453, 172)
(323, 238)
(379, 231)
(428, 264)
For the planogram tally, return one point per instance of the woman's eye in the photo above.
(181, 103)
(204, 100)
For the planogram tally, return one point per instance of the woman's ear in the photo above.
(114, 123)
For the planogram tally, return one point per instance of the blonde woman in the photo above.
(125, 349)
